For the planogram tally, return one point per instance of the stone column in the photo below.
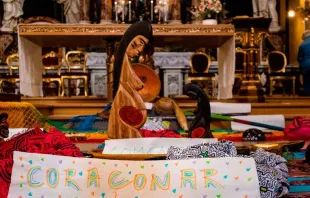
(106, 12)
(172, 64)
(96, 64)
(84, 12)
(173, 81)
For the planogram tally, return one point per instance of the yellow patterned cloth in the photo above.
(23, 115)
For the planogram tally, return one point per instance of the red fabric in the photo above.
(162, 133)
(131, 115)
(32, 141)
(300, 129)
(198, 132)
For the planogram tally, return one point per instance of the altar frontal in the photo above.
(45, 176)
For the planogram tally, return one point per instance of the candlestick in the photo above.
(159, 12)
(116, 17)
(165, 12)
(123, 14)
(129, 17)
(152, 10)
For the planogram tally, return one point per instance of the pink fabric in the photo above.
(300, 129)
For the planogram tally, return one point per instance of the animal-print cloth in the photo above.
(271, 168)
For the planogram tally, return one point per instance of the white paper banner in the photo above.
(230, 108)
(150, 145)
(49, 176)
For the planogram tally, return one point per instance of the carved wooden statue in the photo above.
(128, 112)
(200, 127)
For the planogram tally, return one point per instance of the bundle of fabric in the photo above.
(299, 129)
(271, 168)
(32, 141)
(299, 179)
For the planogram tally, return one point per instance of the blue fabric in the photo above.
(299, 188)
(304, 63)
(85, 123)
(101, 146)
(300, 155)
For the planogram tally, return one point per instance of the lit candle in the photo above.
(129, 17)
(152, 10)
(165, 11)
(116, 17)
(123, 16)
(159, 11)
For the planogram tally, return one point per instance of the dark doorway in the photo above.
(239, 8)
(48, 8)
(1, 12)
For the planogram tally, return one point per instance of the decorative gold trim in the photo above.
(282, 70)
(242, 36)
(52, 54)
(212, 79)
(84, 77)
(49, 80)
(9, 61)
(242, 51)
(119, 29)
(284, 65)
(191, 62)
(40, 19)
(73, 66)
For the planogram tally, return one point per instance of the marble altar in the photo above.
(33, 37)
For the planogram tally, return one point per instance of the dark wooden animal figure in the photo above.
(200, 127)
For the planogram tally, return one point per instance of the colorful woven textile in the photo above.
(271, 168)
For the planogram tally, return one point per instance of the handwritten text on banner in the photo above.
(150, 145)
(47, 176)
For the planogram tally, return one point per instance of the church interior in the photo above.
(99, 72)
